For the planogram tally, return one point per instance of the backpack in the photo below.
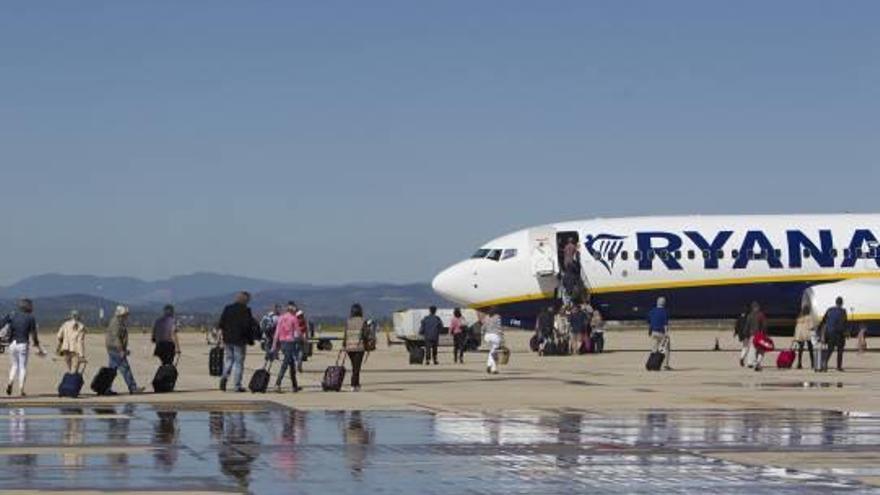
(368, 336)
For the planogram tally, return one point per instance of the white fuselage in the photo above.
(706, 266)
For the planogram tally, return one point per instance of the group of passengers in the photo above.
(820, 338)
(488, 325)
(574, 328)
(20, 329)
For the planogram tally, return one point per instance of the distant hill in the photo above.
(330, 303)
(200, 297)
(136, 291)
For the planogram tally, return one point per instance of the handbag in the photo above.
(763, 342)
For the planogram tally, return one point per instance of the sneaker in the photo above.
(240, 390)
(223, 384)
(297, 389)
(758, 368)
(9, 389)
(494, 372)
(489, 369)
(138, 391)
(667, 368)
(22, 393)
(742, 363)
(840, 370)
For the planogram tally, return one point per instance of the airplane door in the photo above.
(542, 245)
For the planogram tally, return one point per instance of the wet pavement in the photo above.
(259, 448)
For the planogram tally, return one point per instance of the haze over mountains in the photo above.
(203, 295)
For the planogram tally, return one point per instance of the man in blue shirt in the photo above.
(834, 328)
(658, 329)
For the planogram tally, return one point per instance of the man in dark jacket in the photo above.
(834, 327)
(430, 330)
(238, 328)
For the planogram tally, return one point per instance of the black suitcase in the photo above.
(334, 375)
(260, 380)
(417, 355)
(655, 361)
(215, 361)
(103, 381)
(535, 343)
(165, 379)
(71, 383)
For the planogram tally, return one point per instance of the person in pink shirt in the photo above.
(458, 329)
(286, 338)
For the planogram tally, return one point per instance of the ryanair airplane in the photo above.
(708, 267)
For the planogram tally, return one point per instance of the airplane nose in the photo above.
(451, 284)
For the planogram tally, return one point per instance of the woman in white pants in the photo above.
(22, 328)
(493, 336)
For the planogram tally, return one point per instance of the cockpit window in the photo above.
(508, 253)
(480, 254)
(494, 254)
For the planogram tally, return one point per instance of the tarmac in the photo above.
(544, 424)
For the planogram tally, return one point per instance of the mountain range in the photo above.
(201, 296)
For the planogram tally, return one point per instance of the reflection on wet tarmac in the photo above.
(260, 450)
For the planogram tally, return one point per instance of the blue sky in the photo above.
(380, 141)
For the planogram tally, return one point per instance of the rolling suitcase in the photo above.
(655, 361)
(72, 383)
(260, 380)
(103, 381)
(334, 375)
(785, 359)
(165, 378)
(417, 355)
(215, 361)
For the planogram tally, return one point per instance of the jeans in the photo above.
(835, 342)
(460, 340)
(431, 351)
(289, 349)
(234, 357)
(18, 357)
(299, 351)
(494, 342)
(357, 359)
(119, 362)
(809, 345)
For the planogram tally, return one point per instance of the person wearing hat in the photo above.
(71, 341)
(117, 347)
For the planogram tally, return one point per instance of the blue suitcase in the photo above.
(72, 383)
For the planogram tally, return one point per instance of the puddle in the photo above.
(771, 385)
(266, 449)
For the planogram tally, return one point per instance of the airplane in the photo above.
(707, 267)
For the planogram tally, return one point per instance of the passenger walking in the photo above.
(116, 341)
(458, 329)
(756, 324)
(739, 331)
(569, 255)
(544, 328)
(563, 331)
(430, 329)
(286, 338)
(165, 336)
(353, 344)
(803, 335)
(22, 329)
(578, 320)
(834, 327)
(597, 322)
(71, 341)
(301, 337)
(658, 330)
(268, 323)
(493, 335)
(238, 326)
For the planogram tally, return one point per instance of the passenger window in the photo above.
(494, 255)
(834, 253)
(807, 253)
(720, 254)
(651, 254)
(508, 253)
(706, 254)
(678, 255)
(777, 253)
(637, 255)
(624, 255)
(691, 254)
(735, 253)
(846, 253)
(597, 256)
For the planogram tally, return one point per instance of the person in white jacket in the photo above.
(493, 336)
(71, 341)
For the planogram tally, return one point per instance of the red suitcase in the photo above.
(785, 359)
